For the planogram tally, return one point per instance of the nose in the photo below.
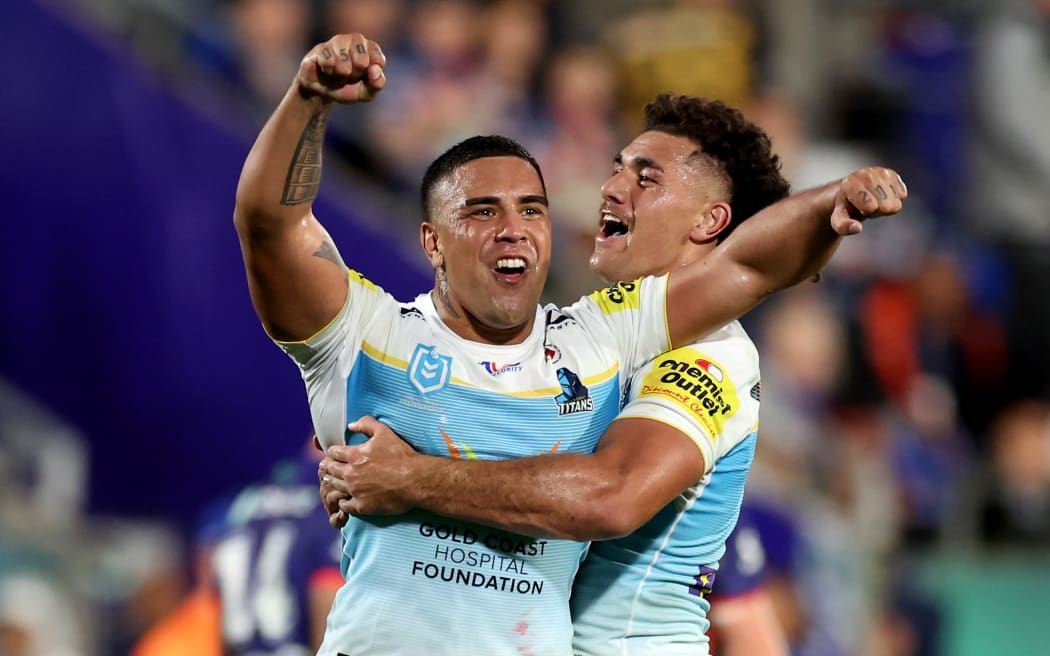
(613, 189)
(511, 228)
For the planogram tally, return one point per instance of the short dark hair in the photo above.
(469, 150)
(740, 149)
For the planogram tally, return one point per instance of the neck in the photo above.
(473, 328)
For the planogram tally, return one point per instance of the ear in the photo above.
(712, 223)
(428, 239)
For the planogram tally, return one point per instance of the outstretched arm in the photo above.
(296, 277)
(639, 467)
(778, 247)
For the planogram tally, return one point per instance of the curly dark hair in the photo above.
(739, 149)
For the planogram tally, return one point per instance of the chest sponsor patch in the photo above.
(695, 382)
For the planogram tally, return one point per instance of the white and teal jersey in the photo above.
(424, 584)
(644, 594)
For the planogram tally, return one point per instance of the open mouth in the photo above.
(612, 227)
(510, 266)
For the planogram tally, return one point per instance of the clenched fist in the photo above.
(866, 194)
(347, 68)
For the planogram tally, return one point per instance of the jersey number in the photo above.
(260, 598)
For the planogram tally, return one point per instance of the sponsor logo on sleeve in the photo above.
(621, 296)
(697, 384)
(428, 370)
(574, 395)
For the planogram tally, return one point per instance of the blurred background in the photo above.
(903, 473)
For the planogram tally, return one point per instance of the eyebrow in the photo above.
(640, 162)
(493, 200)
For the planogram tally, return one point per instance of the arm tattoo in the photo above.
(328, 251)
(304, 173)
(881, 193)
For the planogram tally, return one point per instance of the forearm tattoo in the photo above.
(304, 173)
(328, 251)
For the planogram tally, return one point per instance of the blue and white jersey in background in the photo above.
(644, 594)
(276, 548)
(424, 584)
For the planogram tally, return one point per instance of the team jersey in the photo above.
(419, 583)
(645, 594)
(277, 546)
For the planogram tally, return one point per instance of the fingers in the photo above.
(365, 425)
(347, 68)
(871, 192)
(338, 519)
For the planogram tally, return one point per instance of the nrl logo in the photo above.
(428, 370)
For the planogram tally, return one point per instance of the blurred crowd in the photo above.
(906, 398)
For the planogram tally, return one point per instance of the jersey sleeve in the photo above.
(631, 316)
(709, 390)
(362, 300)
(326, 358)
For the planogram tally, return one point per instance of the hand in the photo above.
(330, 497)
(866, 194)
(347, 68)
(369, 478)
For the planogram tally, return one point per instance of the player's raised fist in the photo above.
(347, 68)
(866, 194)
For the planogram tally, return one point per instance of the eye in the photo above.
(644, 178)
(532, 211)
(484, 212)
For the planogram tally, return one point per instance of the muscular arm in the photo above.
(297, 279)
(640, 466)
(780, 246)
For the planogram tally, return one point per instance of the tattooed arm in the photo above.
(295, 274)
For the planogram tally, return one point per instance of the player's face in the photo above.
(658, 191)
(493, 234)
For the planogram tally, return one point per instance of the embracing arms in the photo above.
(640, 466)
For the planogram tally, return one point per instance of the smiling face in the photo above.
(662, 207)
(489, 240)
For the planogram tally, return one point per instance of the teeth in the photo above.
(510, 263)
